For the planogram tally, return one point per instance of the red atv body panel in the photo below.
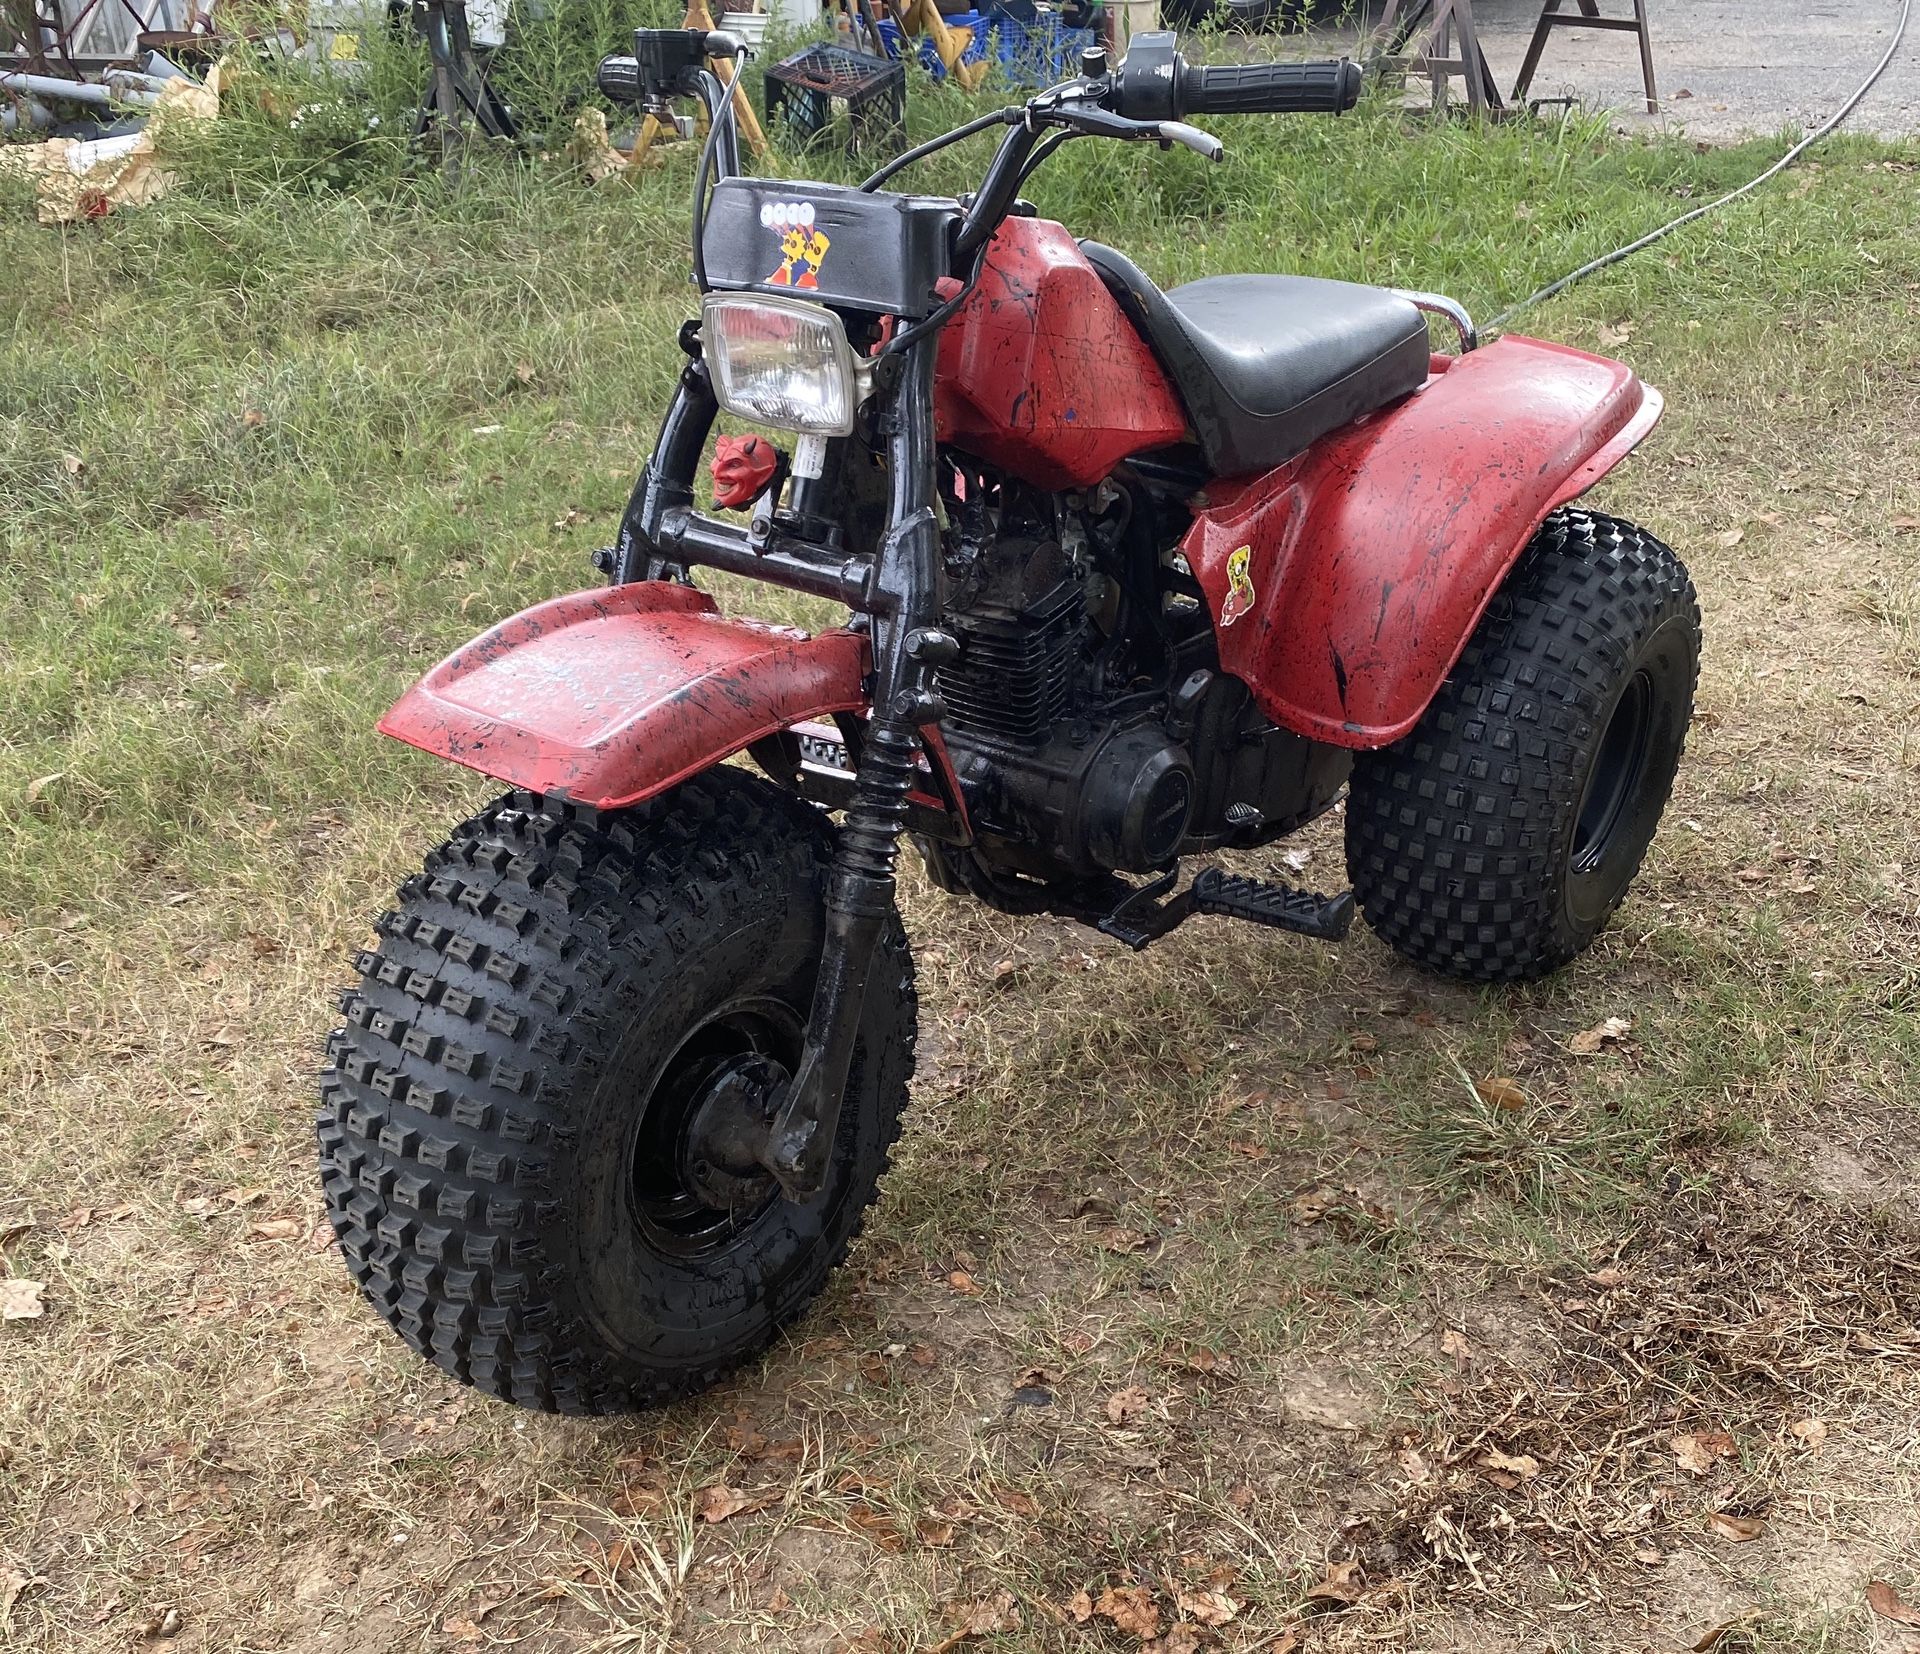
(1345, 583)
(1041, 373)
(612, 695)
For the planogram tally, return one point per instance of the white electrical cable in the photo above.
(1779, 166)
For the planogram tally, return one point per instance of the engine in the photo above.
(1056, 715)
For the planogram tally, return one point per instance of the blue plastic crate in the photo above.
(893, 38)
(976, 24)
(1036, 50)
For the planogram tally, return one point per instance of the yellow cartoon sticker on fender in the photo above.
(803, 249)
(1239, 586)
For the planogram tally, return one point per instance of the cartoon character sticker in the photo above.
(1239, 586)
(803, 249)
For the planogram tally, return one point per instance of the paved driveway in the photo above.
(1726, 67)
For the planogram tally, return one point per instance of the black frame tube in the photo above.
(783, 560)
(665, 482)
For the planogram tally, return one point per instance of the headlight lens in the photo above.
(780, 362)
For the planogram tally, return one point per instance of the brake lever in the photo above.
(1096, 122)
(1203, 144)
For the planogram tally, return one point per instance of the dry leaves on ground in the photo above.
(1505, 1467)
(1590, 1042)
(13, 1585)
(878, 1527)
(1885, 1601)
(1502, 1093)
(1130, 1607)
(22, 1299)
(1208, 1607)
(1736, 1529)
(984, 1618)
(1698, 1451)
(1341, 1586)
(1123, 1406)
(1314, 1205)
(719, 1502)
(1810, 1433)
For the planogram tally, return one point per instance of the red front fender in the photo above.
(1345, 583)
(613, 695)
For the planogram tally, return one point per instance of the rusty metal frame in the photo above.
(63, 37)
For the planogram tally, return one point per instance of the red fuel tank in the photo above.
(1041, 373)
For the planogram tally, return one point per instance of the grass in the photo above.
(273, 445)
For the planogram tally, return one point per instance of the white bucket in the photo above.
(750, 26)
(797, 14)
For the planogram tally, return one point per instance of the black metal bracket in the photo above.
(457, 88)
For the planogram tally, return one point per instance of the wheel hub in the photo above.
(700, 1128)
(726, 1134)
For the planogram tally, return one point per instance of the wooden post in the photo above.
(1137, 17)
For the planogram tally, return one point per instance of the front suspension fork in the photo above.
(902, 595)
(860, 889)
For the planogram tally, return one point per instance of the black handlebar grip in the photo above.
(1326, 88)
(619, 79)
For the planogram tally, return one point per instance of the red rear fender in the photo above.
(1346, 582)
(613, 695)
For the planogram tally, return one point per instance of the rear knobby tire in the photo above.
(495, 1157)
(1495, 840)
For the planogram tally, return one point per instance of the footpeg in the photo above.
(1327, 917)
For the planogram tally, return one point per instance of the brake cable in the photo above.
(728, 113)
(1779, 166)
(1044, 151)
(1009, 116)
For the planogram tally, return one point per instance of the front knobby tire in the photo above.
(503, 1120)
(1495, 840)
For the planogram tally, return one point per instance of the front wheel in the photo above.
(1496, 839)
(516, 1117)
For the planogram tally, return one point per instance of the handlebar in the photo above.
(1326, 88)
(1153, 82)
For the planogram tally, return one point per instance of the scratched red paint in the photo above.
(1374, 552)
(1042, 374)
(616, 694)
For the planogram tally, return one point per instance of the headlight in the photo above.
(781, 362)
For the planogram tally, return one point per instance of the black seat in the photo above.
(1268, 364)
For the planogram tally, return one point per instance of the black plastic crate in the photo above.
(802, 90)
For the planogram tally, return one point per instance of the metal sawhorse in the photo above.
(1588, 16)
(1396, 31)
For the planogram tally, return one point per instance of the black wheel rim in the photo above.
(663, 1207)
(1629, 776)
(1614, 782)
